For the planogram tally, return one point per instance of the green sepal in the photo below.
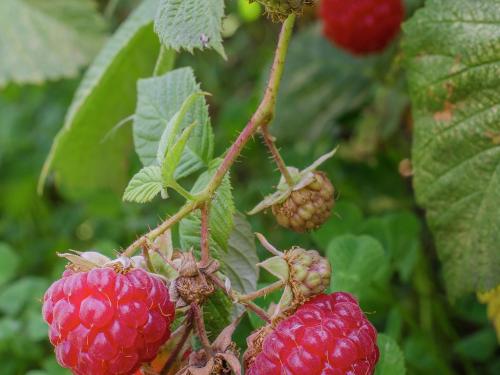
(276, 266)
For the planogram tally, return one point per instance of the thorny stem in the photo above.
(268, 246)
(265, 111)
(262, 292)
(262, 117)
(235, 297)
(201, 330)
(175, 352)
(179, 215)
(204, 244)
(269, 141)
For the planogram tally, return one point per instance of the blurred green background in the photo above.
(328, 99)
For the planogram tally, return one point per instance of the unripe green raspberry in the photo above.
(307, 208)
(309, 272)
(280, 9)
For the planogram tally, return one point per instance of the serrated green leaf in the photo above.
(171, 131)
(145, 185)
(453, 63)
(358, 263)
(173, 156)
(8, 264)
(320, 83)
(160, 98)
(190, 24)
(392, 361)
(63, 36)
(82, 155)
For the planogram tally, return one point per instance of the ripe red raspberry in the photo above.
(329, 335)
(104, 322)
(361, 26)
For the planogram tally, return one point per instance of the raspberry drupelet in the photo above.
(107, 322)
(328, 335)
(361, 26)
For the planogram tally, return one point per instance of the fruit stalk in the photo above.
(201, 330)
(235, 297)
(204, 241)
(261, 117)
(278, 159)
(261, 292)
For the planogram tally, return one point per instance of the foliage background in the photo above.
(327, 99)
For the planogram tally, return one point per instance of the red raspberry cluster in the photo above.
(361, 26)
(104, 322)
(328, 335)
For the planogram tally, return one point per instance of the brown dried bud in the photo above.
(194, 288)
(307, 208)
(191, 285)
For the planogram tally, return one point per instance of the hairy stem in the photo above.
(201, 330)
(204, 242)
(261, 117)
(261, 292)
(181, 214)
(269, 141)
(235, 297)
(265, 111)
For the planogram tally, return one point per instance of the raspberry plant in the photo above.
(183, 297)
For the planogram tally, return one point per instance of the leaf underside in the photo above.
(453, 61)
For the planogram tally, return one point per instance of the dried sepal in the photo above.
(225, 359)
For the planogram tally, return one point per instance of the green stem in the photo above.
(265, 111)
(261, 117)
(235, 298)
(178, 188)
(261, 292)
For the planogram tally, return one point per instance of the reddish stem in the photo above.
(201, 330)
(261, 117)
(278, 159)
(234, 297)
(205, 234)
